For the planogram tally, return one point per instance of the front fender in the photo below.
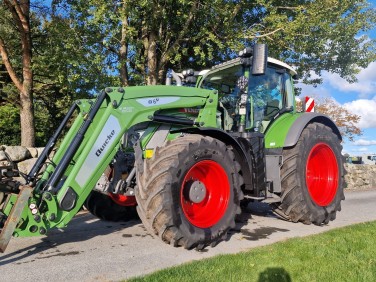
(242, 156)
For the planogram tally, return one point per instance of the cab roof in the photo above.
(237, 61)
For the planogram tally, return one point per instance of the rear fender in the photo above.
(286, 130)
(300, 123)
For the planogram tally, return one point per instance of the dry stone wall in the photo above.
(357, 177)
(360, 176)
(22, 156)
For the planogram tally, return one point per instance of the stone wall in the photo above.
(360, 176)
(24, 157)
(357, 177)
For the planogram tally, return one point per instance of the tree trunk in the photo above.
(123, 66)
(27, 120)
(123, 53)
(20, 11)
(26, 96)
(162, 75)
(152, 77)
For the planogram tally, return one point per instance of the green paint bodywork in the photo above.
(136, 105)
(276, 133)
(121, 110)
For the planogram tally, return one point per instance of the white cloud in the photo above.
(368, 74)
(366, 109)
(364, 87)
(366, 81)
(309, 90)
(364, 142)
(360, 150)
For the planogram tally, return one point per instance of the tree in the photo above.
(18, 13)
(65, 69)
(316, 36)
(9, 124)
(61, 72)
(145, 38)
(346, 121)
(142, 39)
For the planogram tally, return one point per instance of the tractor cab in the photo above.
(249, 100)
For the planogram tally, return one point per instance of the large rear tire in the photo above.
(312, 177)
(106, 208)
(189, 192)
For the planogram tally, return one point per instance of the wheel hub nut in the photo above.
(196, 191)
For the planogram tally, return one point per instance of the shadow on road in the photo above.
(83, 227)
(260, 233)
(259, 209)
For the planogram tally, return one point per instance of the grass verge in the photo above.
(345, 254)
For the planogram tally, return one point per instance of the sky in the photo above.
(359, 98)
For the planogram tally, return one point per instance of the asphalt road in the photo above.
(94, 250)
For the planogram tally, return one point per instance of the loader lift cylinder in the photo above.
(30, 178)
(68, 156)
(172, 120)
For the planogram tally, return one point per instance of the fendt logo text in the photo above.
(105, 143)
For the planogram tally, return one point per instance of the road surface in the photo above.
(93, 250)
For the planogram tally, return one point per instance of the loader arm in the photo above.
(88, 148)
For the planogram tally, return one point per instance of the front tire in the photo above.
(312, 177)
(189, 192)
(110, 208)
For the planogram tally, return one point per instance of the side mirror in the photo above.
(260, 59)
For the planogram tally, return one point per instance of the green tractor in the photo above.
(185, 158)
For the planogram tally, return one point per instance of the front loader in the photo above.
(184, 157)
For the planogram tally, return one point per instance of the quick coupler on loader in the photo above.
(14, 217)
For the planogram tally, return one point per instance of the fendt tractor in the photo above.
(184, 158)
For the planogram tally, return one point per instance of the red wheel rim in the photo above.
(123, 200)
(322, 174)
(212, 208)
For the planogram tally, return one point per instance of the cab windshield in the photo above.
(267, 94)
(266, 97)
(225, 82)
